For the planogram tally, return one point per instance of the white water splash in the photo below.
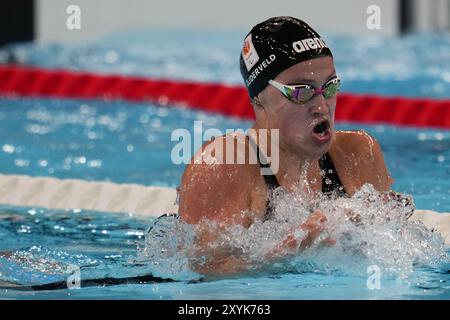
(368, 229)
(168, 242)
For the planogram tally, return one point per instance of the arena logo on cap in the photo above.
(249, 53)
(308, 44)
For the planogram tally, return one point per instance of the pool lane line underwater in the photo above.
(100, 282)
(232, 100)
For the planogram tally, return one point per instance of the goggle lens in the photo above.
(302, 93)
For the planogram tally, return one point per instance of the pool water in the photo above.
(46, 243)
(130, 142)
(92, 140)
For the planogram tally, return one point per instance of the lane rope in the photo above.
(19, 81)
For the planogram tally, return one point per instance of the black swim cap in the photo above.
(273, 46)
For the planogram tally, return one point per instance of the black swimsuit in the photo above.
(330, 179)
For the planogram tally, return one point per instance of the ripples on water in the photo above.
(42, 245)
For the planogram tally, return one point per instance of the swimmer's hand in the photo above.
(403, 200)
(302, 239)
(226, 260)
(314, 226)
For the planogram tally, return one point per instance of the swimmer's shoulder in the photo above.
(211, 186)
(361, 153)
(358, 144)
(354, 140)
(229, 153)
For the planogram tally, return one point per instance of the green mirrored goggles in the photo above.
(302, 93)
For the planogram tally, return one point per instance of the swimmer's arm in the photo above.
(215, 193)
(303, 238)
(381, 179)
(219, 259)
(208, 257)
(226, 260)
(212, 190)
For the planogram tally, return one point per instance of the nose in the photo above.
(319, 105)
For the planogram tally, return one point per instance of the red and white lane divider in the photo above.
(19, 81)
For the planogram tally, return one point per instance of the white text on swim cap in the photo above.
(308, 44)
(263, 65)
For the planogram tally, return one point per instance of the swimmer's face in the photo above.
(308, 128)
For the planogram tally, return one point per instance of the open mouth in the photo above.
(321, 132)
(322, 128)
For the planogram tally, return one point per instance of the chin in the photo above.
(321, 150)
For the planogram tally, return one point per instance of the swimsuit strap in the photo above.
(270, 179)
(330, 179)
